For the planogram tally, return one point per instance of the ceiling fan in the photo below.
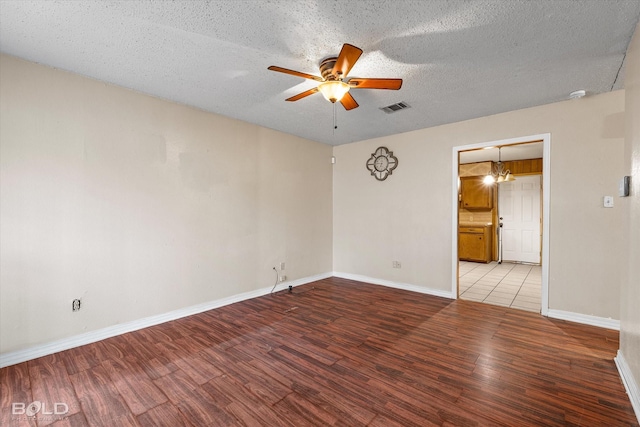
(332, 85)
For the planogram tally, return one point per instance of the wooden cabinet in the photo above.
(475, 194)
(475, 244)
(524, 167)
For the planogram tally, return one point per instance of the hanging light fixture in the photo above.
(498, 173)
(333, 90)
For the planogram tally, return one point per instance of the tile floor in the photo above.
(507, 284)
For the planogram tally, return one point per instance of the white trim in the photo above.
(14, 357)
(397, 285)
(455, 201)
(546, 185)
(546, 214)
(601, 322)
(630, 384)
(298, 282)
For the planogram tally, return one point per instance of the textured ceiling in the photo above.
(459, 59)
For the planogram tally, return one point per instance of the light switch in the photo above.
(608, 201)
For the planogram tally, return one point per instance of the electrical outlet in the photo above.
(282, 266)
(283, 278)
(397, 264)
(75, 305)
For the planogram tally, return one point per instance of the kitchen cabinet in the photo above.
(474, 243)
(475, 194)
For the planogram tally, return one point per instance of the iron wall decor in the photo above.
(382, 163)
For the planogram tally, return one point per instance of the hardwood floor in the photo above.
(335, 352)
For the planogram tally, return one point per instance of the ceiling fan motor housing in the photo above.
(326, 68)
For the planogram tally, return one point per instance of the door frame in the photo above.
(546, 181)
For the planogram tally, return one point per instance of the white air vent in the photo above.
(395, 107)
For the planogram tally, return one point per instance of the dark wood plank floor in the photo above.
(335, 352)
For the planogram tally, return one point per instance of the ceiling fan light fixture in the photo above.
(333, 90)
(334, 70)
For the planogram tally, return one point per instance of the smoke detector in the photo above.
(577, 94)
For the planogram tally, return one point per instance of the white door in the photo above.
(519, 207)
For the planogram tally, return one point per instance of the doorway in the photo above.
(525, 245)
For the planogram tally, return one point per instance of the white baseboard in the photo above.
(586, 319)
(397, 285)
(630, 384)
(19, 356)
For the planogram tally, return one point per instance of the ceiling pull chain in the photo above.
(335, 119)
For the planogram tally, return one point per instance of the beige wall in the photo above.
(141, 206)
(409, 216)
(630, 298)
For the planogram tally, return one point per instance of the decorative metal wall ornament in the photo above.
(382, 163)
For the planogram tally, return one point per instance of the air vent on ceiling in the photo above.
(395, 107)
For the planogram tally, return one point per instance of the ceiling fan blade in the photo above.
(303, 94)
(295, 73)
(348, 102)
(393, 84)
(346, 60)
